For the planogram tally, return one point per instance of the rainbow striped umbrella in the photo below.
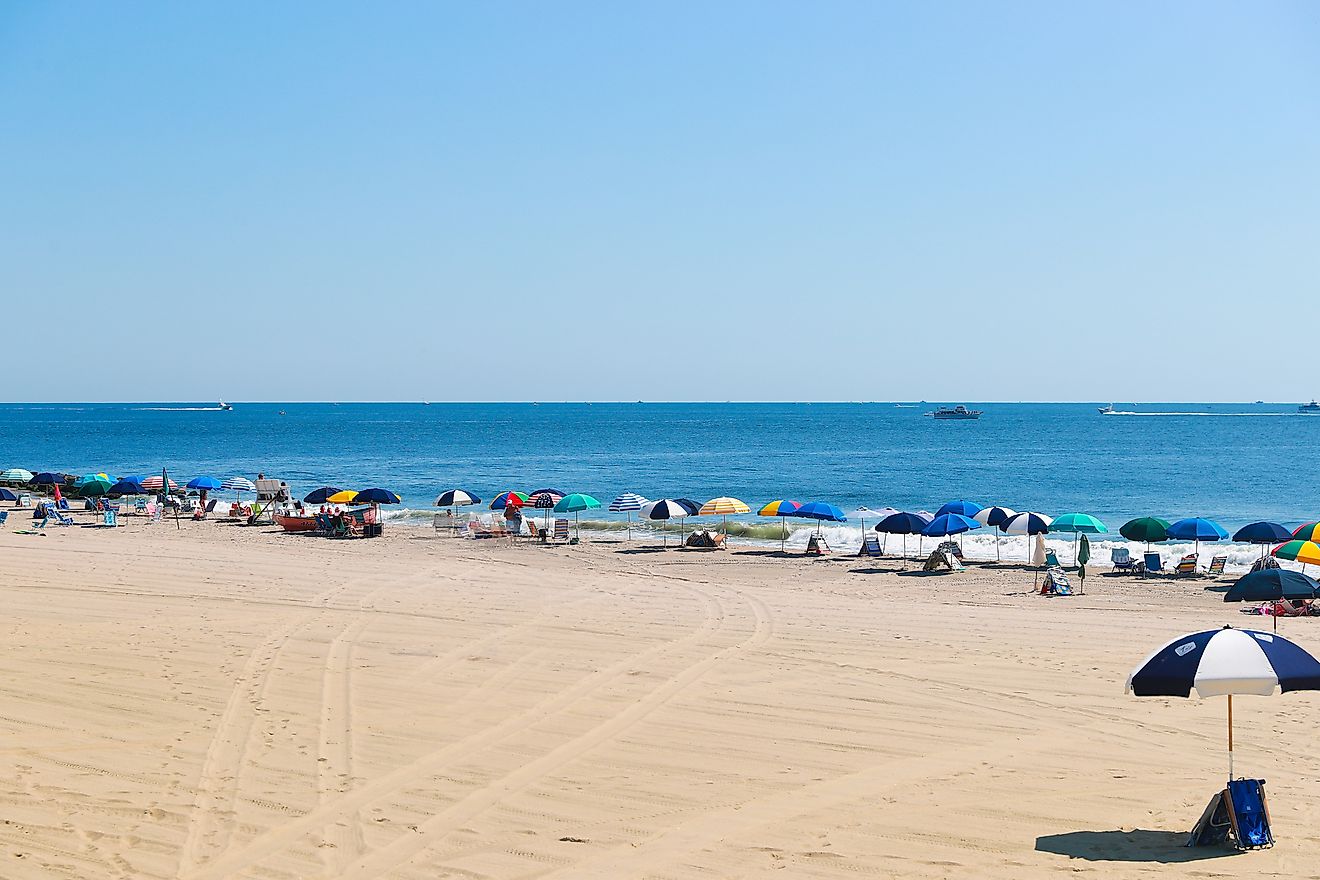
(1305, 552)
(502, 500)
(781, 508)
(1308, 532)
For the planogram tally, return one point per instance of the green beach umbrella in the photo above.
(575, 504)
(16, 475)
(1078, 524)
(1083, 557)
(92, 485)
(1150, 529)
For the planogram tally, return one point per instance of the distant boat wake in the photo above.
(178, 409)
(1211, 414)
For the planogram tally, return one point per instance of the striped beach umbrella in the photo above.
(669, 508)
(1027, 523)
(456, 498)
(723, 506)
(506, 499)
(15, 475)
(1308, 532)
(994, 517)
(1305, 552)
(628, 503)
(781, 508)
(238, 485)
(1225, 662)
(544, 500)
(154, 483)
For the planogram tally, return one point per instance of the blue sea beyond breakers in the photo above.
(1232, 462)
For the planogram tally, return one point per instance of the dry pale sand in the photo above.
(219, 701)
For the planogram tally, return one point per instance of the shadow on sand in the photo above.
(1138, 845)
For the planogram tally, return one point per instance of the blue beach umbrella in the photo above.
(7, 495)
(1196, 529)
(902, 524)
(321, 495)
(127, 486)
(821, 511)
(994, 517)
(946, 524)
(376, 496)
(49, 478)
(207, 483)
(1027, 523)
(1225, 662)
(963, 508)
(1262, 533)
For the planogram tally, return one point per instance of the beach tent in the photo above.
(780, 508)
(1225, 662)
(628, 503)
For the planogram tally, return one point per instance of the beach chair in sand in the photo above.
(870, 547)
(60, 518)
(1056, 583)
(1186, 566)
(4, 517)
(561, 530)
(1052, 560)
(1217, 564)
(1240, 812)
(1122, 560)
(1151, 563)
(140, 506)
(110, 516)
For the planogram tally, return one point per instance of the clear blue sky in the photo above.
(757, 200)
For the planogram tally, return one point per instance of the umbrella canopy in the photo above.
(782, 507)
(47, 478)
(1195, 528)
(628, 502)
(994, 516)
(1027, 523)
(502, 500)
(1148, 529)
(321, 495)
(127, 486)
(668, 508)
(153, 484)
(949, 524)
(238, 484)
(1262, 533)
(1308, 532)
(16, 475)
(820, 510)
(1305, 552)
(544, 500)
(576, 503)
(456, 498)
(555, 492)
(1271, 584)
(1225, 662)
(1078, 523)
(376, 496)
(877, 514)
(207, 483)
(7, 494)
(92, 484)
(723, 506)
(901, 524)
(964, 508)
(343, 496)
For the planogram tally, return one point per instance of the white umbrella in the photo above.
(995, 517)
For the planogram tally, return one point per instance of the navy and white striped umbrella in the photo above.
(628, 503)
(238, 484)
(994, 517)
(456, 498)
(669, 508)
(1225, 662)
(1027, 523)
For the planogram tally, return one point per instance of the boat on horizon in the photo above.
(1107, 410)
(955, 413)
(226, 407)
(1309, 409)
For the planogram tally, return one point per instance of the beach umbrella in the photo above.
(1196, 529)
(155, 483)
(780, 508)
(92, 485)
(1305, 552)
(321, 495)
(725, 507)
(503, 500)
(1262, 533)
(1308, 532)
(822, 512)
(207, 483)
(238, 485)
(1149, 529)
(343, 496)
(16, 475)
(545, 501)
(994, 517)
(575, 504)
(7, 494)
(965, 508)
(1026, 523)
(902, 524)
(376, 496)
(1078, 524)
(555, 492)
(1225, 662)
(456, 498)
(628, 503)
(127, 486)
(949, 524)
(669, 508)
(1272, 585)
(48, 478)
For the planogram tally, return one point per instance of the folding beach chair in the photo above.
(156, 512)
(1217, 564)
(140, 506)
(561, 530)
(110, 516)
(1052, 559)
(1186, 566)
(59, 517)
(4, 516)
(1122, 560)
(1240, 812)
(1152, 563)
(870, 546)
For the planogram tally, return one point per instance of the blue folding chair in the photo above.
(1152, 564)
(4, 516)
(1249, 813)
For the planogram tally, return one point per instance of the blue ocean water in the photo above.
(1232, 462)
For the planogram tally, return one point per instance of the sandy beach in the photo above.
(218, 701)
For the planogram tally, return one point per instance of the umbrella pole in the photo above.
(783, 533)
(629, 515)
(1230, 737)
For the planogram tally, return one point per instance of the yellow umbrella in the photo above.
(724, 507)
(1305, 552)
(345, 497)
